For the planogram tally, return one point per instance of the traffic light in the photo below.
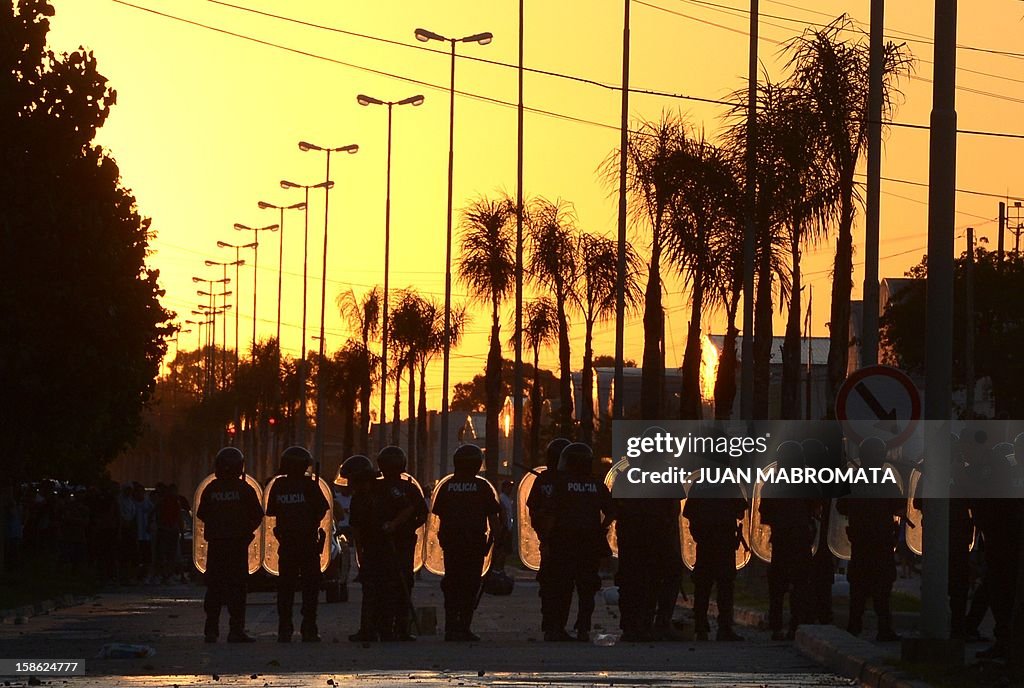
(232, 431)
(272, 421)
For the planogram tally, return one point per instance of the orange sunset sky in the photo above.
(206, 124)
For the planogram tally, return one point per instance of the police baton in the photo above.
(480, 590)
(401, 579)
(527, 469)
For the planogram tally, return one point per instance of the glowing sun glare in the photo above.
(708, 368)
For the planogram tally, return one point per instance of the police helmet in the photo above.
(391, 460)
(357, 468)
(872, 452)
(468, 458)
(295, 461)
(229, 463)
(554, 452)
(816, 453)
(1018, 449)
(577, 458)
(790, 454)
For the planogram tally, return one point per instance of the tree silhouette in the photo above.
(554, 266)
(81, 338)
(487, 267)
(830, 68)
(363, 316)
(598, 257)
(706, 205)
(651, 181)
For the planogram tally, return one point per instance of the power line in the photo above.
(503, 103)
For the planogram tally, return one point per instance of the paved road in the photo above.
(510, 654)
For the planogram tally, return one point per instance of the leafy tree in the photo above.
(606, 361)
(555, 267)
(598, 258)
(830, 69)
(707, 204)
(487, 267)
(81, 338)
(363, 316)
(540, 328)
(651, 181)
(998, 320)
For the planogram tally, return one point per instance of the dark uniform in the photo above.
(375, 561)
(873, 533)
(715, 522)
(464, 504)
(792, 523)
(650, 571)
(577, 539)
(393, 497)
(299, 506)
(540, 504)
(230, 511)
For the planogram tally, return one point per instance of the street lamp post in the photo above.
(255, 269)
(238, 262)
(327, 185)
(263, 205)
(212, 374)
(415, 101)
(352, 148)
(483, 39)
(223, 312)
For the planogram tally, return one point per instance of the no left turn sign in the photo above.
(879, 401)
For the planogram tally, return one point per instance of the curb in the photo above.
(21, 615)
(852, 657)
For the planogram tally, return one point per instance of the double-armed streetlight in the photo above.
(223, 312)
(483, 39)
(366, 100)
(264, 205)
(255, 269)
(327, 185)
(211, 377)
(237, 263)
(352, 148)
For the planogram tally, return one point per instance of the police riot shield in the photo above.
(614, 472)
(433, 556)
(199, 546)
(690, 545)
(838, 538)
(529, 543)
(270, 543)
(915, 518)
(760, 534)
(421, 532)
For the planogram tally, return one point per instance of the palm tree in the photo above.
(651, 180)
(830, 68)
(554, 267)
(770, 220)
(487, 266)
(431, 344)
(363, 316)
(404, 332)
(540, 328)
(598, 258)
(708, 203)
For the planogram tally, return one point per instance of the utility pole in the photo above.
(869, 316)
(969, 312)
(750, 230)
(1002, 231)
(939, 321)
(517, 383)
(620, 280)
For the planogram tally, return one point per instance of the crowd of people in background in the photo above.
(125, 534)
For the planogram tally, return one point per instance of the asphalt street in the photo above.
(170, 619)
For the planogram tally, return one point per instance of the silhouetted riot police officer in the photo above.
(230, 511)
(298, 505)
(541, 507)
(402, 510)
(715, 513)
(464, 505)
(998, 518)
(961, 537)
(790, 511)
(872, 534)
(367, 522)
(821, 573)
(577, 539)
